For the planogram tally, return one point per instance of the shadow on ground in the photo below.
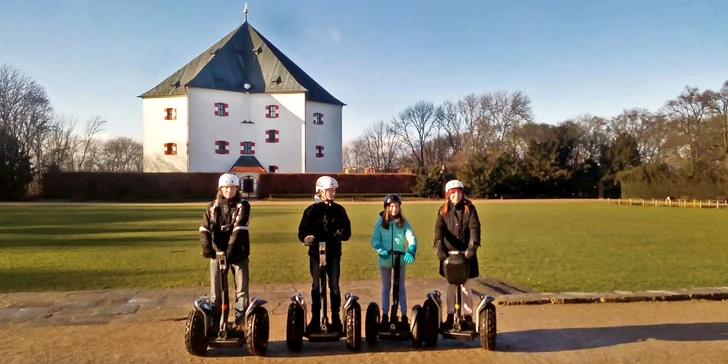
(278, 349)
(552, 340)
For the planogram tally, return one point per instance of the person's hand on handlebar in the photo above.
(309, 240)
(471, 251)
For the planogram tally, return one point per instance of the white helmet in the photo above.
(453, 184)
(325, 182)
(228, 179)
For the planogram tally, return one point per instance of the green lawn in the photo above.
(560, 246)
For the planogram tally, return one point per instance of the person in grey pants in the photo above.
(225, 228)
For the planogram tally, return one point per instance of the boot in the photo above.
(385, 319)
(315, 323)
(336, 325)
(335, 312)
(449, 321)
(469, 324)
(405, 320)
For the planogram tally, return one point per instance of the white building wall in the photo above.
(290, 158)
(206, 128)
(157, 131)
(328, 135)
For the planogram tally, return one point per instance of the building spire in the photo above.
(245, 11)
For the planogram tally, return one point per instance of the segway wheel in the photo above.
(430, 323)
(295, 325)
(487, 327)
(371, 323)
(257, 331)
(418, 323)
(353, 327)
(195, 341)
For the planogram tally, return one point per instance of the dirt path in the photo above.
(683, 332)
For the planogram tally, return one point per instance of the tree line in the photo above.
(35, 138)
(493, 142)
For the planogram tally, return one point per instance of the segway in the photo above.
(393, 329)
(457, 268)
(208, 326)
(296, 328)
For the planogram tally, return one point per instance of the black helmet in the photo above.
(391, 198)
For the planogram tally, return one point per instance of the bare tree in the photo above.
(471, 114)
(25, 110)
(505, 112)
(121, 154)
(450, 123)
(689, 111)
(414, 127)
(87, 147)
(380, 146)
(437, 150)
(652, 131)
(58, 143)
(717, 103)
(490, 120)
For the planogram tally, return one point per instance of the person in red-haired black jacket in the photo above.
(458, 229)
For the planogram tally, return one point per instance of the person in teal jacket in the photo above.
(392, 232)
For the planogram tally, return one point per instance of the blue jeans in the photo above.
(240, 278)
(386, 274)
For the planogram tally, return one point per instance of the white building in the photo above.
(241, 106)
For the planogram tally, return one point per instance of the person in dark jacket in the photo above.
(458, 229)
(224, 228)
(325, 221)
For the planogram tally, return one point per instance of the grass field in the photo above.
(552, 246)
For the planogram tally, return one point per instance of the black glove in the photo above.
(470, 252)
(309, 241)
(339, 233)
(208, 252)
(441, 255)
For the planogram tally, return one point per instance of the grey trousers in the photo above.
(240, 277)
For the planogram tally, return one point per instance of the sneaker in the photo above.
(385, 319)
(405, 320)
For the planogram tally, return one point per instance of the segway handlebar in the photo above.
(457, 252)
(396, 253)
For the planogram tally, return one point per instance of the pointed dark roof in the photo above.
(243, 55)
(247, 163)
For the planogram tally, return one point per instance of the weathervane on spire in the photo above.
(245, 11)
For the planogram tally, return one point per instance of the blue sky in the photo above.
(95, 57)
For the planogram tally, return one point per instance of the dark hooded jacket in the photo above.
(226, 225)
(456, 230)
(326, 221)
